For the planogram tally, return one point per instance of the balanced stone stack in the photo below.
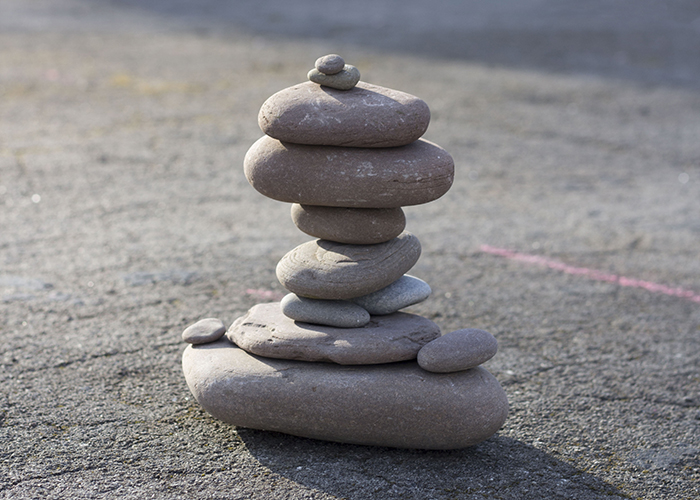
(335, 359)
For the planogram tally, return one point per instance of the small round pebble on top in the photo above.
(330, 64)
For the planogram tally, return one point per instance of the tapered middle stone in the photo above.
(323, 269)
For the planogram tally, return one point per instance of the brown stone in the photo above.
(367, 116)
(357, 226)
(323, 269)
(349, 177)
(266, 331)
(397, 404)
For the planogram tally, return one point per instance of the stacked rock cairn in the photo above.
(335, 359)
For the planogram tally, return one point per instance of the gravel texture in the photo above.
(126, 217)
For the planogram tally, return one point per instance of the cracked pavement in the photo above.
(125, 217)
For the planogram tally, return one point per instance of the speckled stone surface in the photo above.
(349, 177)
(264, 330)
(322, 269)
(329, 64)
(458, 350)
(203, 331)
(405, 291)
(367, 116)
(345, 79)
(398, 404)
(337, 313)
(356, 226)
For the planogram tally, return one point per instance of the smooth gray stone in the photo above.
(349, 177)
(338, 313)
(330, 64)
(405, 291)
(368, 116)
(397, 405)
(266, 331)
(204, 331)
(355, 226)
(345, 79)
(457, 351)
(323, 269)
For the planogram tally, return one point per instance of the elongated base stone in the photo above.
(398, 404)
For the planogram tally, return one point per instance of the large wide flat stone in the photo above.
(349, 177)
(322, 269)
(266, 331)
(367, 116)
(398, 405)
(356, 226)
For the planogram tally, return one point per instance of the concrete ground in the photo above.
(125, 217)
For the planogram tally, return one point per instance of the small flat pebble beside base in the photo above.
(457, 351)
(405, 291)
(204, 331)
(338, 313)
(398, 405)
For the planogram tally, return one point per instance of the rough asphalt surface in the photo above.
(125, 217)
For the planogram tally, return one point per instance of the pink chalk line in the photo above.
(591, 273)
(264, 294)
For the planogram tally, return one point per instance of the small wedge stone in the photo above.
(405, 291)
(345, 79)
(338, 313)
(355, 226)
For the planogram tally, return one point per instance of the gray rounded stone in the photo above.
(203, 331)
(337, 313)
(330, 64)
(367, 116)
(349, 177)
(323, 269)
(457, 351)
(266, 331)
(405, 291)
(345, 79)
(356, 226)
(397, 405)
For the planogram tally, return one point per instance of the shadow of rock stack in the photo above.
(335, 359)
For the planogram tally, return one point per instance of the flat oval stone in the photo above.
(330, 64)
(458, 350)
(356, 226)
(405, 291)
(323, 269)
(397, 405)
(368, 116)
(337, 313)
(266, 331)
(349, 177)
(204, 331)
(345, 79)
